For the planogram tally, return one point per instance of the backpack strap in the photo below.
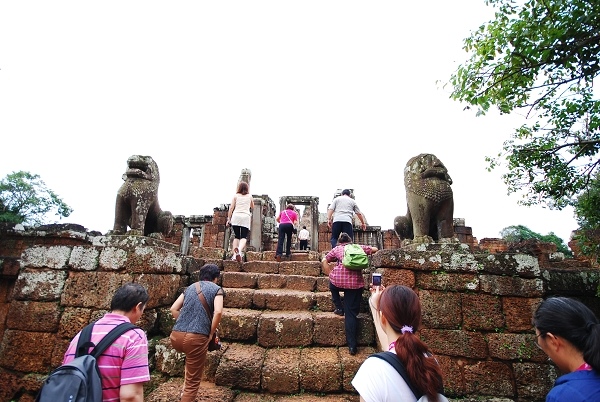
(84, 343)
(393, 360)
(111, 337)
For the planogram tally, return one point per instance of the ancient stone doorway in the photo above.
(312, 203)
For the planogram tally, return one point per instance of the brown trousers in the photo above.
(195, 347)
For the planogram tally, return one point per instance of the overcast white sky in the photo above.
(311, 96)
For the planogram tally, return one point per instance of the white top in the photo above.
(377, 381)
(303, 234)
(241, 214)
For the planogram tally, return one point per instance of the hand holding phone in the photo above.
(376, 279)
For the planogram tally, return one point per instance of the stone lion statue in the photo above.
(137, 201)
(429, 199)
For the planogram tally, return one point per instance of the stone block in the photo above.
(211, 253)
(366, 329)
(511, 286)
(323, 301)
(59, 348)
(481, 312)
(84, 258)
(281, 372)
(522, 347)
(300, 282)
(238, 298)
(92, 289)
(239, 325)
(329, 329)
(523, 265)
(33, 316)
(393, 276)
(489, 378)
(320, 370)
(351, 364)
(576, 283)
(271, 281)
(9, 267)
(322, 284)
(309, 268)
(153, 260)
(11, 383)
(28, 352)
(455, 343)
(112, 259)
(240, 280)
(285, 329)
(440, 309)
(72, 320)
(441, 280)
(454, 383)
(168, 360)
(39, 285)
(165, 320)
(282, 299)
(261, 267)
(518, 312)
(162, 289)
(54, 257)
(240, 367)
(534, 381)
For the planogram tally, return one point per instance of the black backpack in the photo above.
(79, 380)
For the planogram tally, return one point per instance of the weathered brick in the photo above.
(281, 372)
(240, 367)
(511, 286)
(518, 312)
(240, 325)
(440, 309)
(285, 329)
(455, 343)
(515, 347)
(40, 316)
(489, 378)
(320, 370)
(534, 381)
(39, 285)
(283, 299)
(441, 280)
(92, 289)
(18, 351)
(482, 312)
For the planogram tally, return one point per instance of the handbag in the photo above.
(215, 341)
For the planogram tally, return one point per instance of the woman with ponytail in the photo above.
(396, 313)
(569, 333)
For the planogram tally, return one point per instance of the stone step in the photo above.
(269, 371)
(277, 299)
(306, 268)
(209, 391)
(291, 328)
(253, 280)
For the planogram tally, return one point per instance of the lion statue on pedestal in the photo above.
(429, 199)
(137, 201)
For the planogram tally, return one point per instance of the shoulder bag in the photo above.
(215, 342)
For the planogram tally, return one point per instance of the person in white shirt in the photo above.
(303, 237)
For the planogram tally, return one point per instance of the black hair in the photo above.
(344, 238)
(346, 192)
(209, 272)
(574, 321)
(303, 227)
(128, 296)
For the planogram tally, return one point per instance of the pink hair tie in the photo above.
(407, 328)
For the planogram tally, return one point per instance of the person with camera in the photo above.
(287, 219)
(396, 313)
(194, 328)
(351, 282)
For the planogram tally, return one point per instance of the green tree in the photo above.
(515, 234)
(539, 57)
(24, 198)
(587, 213)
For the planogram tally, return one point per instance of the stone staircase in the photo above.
(281, 339)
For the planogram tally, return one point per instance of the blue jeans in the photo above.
(285, 230)
(351, 307)
(339, 227)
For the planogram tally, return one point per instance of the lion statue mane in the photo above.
(429, 199)
(137, 201)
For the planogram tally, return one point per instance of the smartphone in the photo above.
(376, 279)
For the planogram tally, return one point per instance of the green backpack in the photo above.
(355, 257)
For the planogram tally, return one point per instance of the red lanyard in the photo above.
(584, 366)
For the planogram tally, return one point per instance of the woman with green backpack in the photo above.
(347, 279)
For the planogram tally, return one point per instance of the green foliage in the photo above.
(515, 234)
(587, 213)
(24, 198)
(539, 58)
